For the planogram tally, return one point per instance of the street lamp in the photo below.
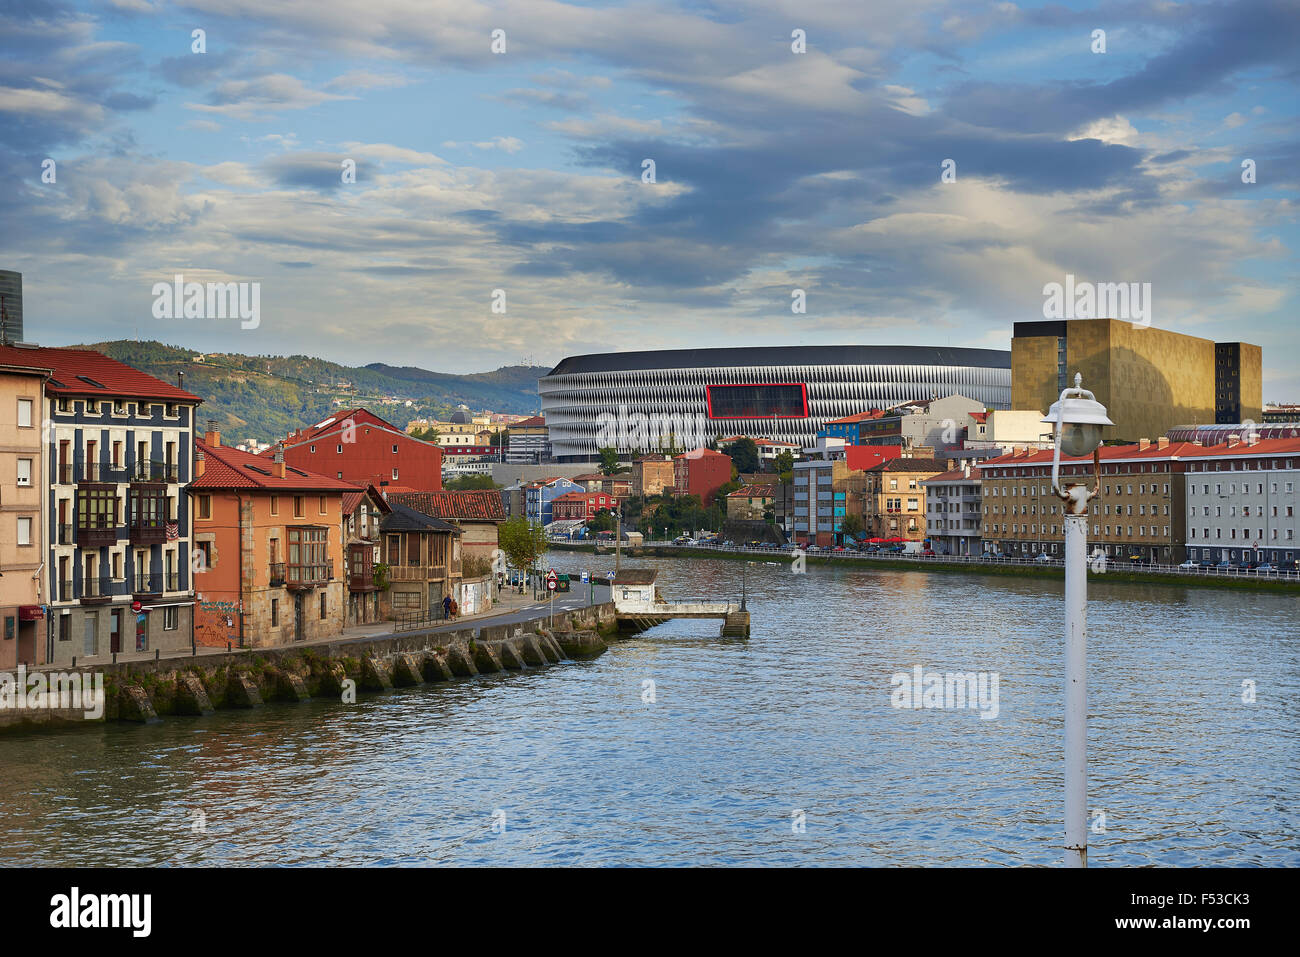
(1078, 419)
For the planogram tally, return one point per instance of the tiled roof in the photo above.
(700, 453)
(405, 519)
(953, 475)
(754, 491)
(635, 576)
(905, 464)
(480, 504)
(532, 423)
(352, 499)
(226, 467)
(1179, 450)
(859, 417)
(862, 457)
(108, 377)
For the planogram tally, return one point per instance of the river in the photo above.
(785, 748)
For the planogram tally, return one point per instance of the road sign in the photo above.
(610, 576)
(586, 577)
(550, 584)
(551, 576)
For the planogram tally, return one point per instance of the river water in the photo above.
(785, 748)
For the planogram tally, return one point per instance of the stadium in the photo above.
(785, 393)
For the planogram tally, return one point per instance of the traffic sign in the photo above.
(550, 584)
(610, 576)
(586, 577)
(551, 576)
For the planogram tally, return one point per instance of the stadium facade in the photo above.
(634, 400)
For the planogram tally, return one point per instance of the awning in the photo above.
(31, 612)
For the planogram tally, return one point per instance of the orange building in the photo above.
(269, 549)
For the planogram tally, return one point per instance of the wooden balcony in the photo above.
(416, 573)
(309, 576)
(148, 533)
(95, 533)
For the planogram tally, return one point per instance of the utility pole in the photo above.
(618, 536)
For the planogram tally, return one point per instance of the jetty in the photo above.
(638, 605)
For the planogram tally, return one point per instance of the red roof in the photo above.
(108, 377)
(980, 416)
(754, 491)
(352, 499)
(953, 475)
(859, 417)
(226, 467)
(700, 453)
(862, 457)
(532, 423)
(335, 423)
(580, 497)
(481, 504)
(1108, 453)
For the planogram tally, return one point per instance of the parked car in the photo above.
(1042, 557)
(927, 553)
(1190, 563)
(1225, 564)
(1264, 568)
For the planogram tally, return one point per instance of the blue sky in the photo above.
(522, 171)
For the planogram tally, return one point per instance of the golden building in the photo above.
(1149, 379)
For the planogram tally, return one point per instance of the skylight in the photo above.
(97, 385)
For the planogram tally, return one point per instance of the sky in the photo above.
(516, 178)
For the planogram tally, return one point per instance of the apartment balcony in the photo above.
(171, 581)
(160, 472)
(110, 474)
(66, 535)
(96, 591)
(361, 579)
(277, 574)
(148, 533)
(416, 573)
(309, 576)
(146, 583)
(65, 590)
(96, 532)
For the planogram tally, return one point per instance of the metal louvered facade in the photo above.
(840, 381)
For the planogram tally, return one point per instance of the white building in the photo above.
(952, 512)
(1242, 501)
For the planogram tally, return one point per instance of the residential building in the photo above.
(539, 495)
(1002, 430)
(894, 497)
(357, 446)
(1243, 501)
(23, 484)
(11, 307)
(939, 425)
(581, 506)
(476, 513)
(768, 449)
(750, 502)
(117, 525)
(528, 442)
(953, 519)
(618, 485)
(701, 472)
(363, 511)
(1140, 512)
(269, 548)
(652, 475)
(423, 556)
(1282, 413)
(1149, 379)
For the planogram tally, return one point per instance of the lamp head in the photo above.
(1080, 417)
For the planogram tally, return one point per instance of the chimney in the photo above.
(1252, 438)
(1162, 442)
(1017, 450)
(180, 378)
(1144, 444)
(199, 462)
(965, 470)
(213, 436)
(278, 459)
(1234, 440)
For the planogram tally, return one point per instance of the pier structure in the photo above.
(638, 605)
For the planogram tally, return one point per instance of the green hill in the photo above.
(264, 397)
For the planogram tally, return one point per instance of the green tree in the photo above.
(469, 483)
(602, 521)
(784, 463)
(522, 541)
(744, 454)
(608, 461)
(851, 526)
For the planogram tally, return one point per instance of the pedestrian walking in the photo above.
(446, 607)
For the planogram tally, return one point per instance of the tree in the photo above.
(522, 541)
(602, 521)
(784, 463)
(744, 454)
(851, 526)
(608, 461)
(468, 483)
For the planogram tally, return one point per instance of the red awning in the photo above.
(31, 612)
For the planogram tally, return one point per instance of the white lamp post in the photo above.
(1078, 419)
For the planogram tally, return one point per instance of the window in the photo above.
(394, 449)
(275, 505)
(65, 627)
(275, 613)
(205, 506)
(313, 448)
(323, 603)
(24, 472)
(24, 413)
(299, 506)
(205, 555)
(171, 618)
(24, 530)
(10, 625)
(394, 474)
(321, 503)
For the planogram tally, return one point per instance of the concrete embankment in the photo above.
(144, 691)
(1115, 571)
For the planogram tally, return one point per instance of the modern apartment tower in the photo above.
(11, 307)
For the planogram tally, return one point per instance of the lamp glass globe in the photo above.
(1080, 439)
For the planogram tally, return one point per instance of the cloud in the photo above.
(506, 144)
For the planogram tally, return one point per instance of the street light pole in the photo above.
(1078, 421)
